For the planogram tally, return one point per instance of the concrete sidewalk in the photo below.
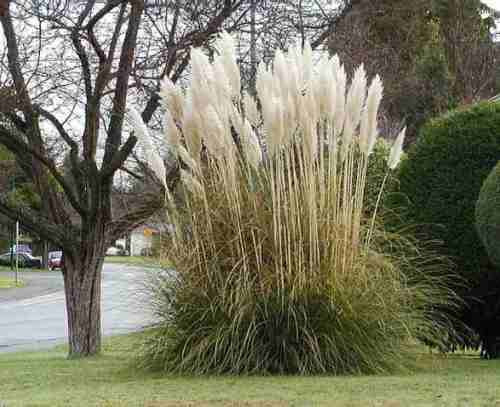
(34, 317)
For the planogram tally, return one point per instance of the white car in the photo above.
(113, 251)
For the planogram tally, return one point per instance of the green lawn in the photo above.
(47, 379)
(139, 261)
(10, 283)
(21, 270)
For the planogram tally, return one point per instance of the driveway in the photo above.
(34, 317)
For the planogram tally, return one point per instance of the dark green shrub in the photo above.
(488, 215)
(442, 177)
(377, 171)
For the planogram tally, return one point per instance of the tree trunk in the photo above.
(82, 284)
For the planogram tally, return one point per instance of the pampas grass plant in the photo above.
(273, 269)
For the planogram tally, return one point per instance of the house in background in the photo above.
(142, 239)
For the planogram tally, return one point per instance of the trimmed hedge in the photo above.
(443, 175)
(442, 178)
(488, 215)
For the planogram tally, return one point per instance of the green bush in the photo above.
(442, 177)
(488, 215)
(377, 171)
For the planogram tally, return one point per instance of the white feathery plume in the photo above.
(227, 50)
(223, 88)
(155, 162)
(280, 73)
(292, 72)
(364, 132)
(307, 59)
(295, 60)
(396, 150)
(325, 88)
(272, 112)
(213, 134)
(311, 106)
(335, 61)
(373, 100)
(172, 97)
(172, 134)
(354, 105)
(317, 87)
(190, 128)
(347, 136)
(202, 80)
(307, 120)
(296, 83)
(330, 99)
(264, 83)
(291, 112)
(356, 97)
(251, 110)
(251, 145)
(339, 109)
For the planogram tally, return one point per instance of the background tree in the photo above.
(465, 28)
(431, 54)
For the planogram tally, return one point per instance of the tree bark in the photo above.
(82, 284)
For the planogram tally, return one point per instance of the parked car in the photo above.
(55, 260)
(113, 251)
(21, 248)
(25, 260)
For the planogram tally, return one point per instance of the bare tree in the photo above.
(71, 66)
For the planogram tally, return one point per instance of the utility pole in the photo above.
(17, 250)
(12, 232)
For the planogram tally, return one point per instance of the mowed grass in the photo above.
(21, 270)
(48, 379)
(139, 261)
(10, 283)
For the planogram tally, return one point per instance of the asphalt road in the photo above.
(34, 317)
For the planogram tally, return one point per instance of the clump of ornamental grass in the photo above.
(275, 268)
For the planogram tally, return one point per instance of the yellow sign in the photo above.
(148, 232)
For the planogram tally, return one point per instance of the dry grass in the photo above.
(276, 270)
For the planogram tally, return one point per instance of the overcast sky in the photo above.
(493, 4)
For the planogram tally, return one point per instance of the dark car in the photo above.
(25, 260)
(55, 260)
(21, 248)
